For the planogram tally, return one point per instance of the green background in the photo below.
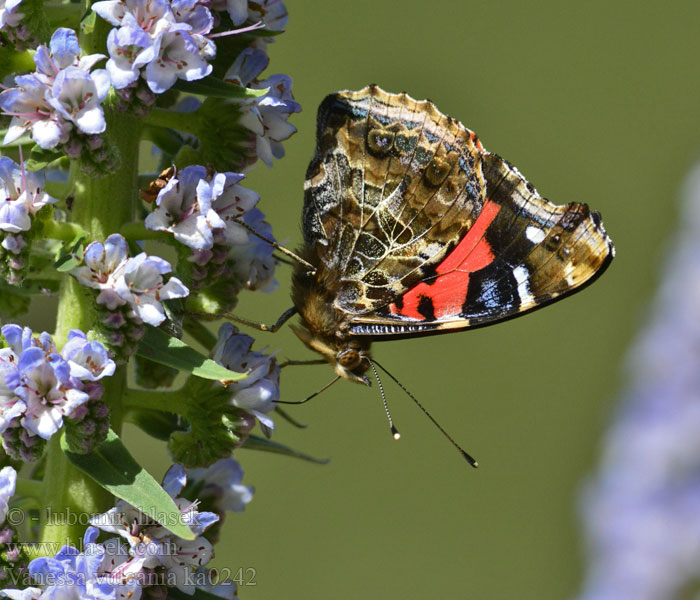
(594, 102)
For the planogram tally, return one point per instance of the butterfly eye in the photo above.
(380, 141)
(348, 358)
(437, 171)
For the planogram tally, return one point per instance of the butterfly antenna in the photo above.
(275, 245)
(323, 389)
(394, 431)
(468, 457)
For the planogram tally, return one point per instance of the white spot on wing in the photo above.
(522, 275)
(534, 234)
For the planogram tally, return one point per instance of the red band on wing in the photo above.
(449, 290)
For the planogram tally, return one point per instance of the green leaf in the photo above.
(71, 254)
(216, 88)
(158, 346)
(87, 25)
(255, 442)
(111, 465)
(156, 423)
(39, 158)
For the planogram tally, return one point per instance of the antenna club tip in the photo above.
(395, 433)
(469, 459)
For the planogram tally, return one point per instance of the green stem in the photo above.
(65, 232)
(32, 488)
(137, 231)
(58, 189)
(100, 207)
(69, 495)
(162, 117)
(171, 401)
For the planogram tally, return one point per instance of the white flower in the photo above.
(141, 285)
(9, 15)
(8, 480)
(21, 195)
(259, 391)
(223, 481)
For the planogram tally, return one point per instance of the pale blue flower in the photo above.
(130, 48)
(642, 508)
(181, 56)
(121, 280)
(195, 206)
(77, 97)
(141, 285)
(159, 40)
(9, 15)
(8, 481)
(222, 481)
(40, 386)
(153, 16)
(29, 108)
(272, 13)
(154, 545)
(88, 361)
(253, 261)
(257, 393)
(104, 264)
(194, 14)
(60, 96)
(21, 196)
(47, 391)
(266, 116)
(72, 575)
(183, 207)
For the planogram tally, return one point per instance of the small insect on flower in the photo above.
(412, 228)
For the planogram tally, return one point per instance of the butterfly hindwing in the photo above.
(522, 253)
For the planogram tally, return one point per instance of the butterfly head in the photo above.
(346, 356)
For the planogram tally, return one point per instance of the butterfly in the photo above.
(412, 228)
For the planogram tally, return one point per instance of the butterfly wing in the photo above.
(425, 231)
(521, 254)
(392, 187)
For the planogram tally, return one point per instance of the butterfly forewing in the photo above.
(393, 186)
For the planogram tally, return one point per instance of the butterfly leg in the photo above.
(291, 363)
(286, 315)
(287, 417)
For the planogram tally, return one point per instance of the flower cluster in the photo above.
(130, 289)
(60, 103)
(145, 558)
(21, 197)
(265, 117)
(642, 508)
(221, 416)
(40, 386)
(222, 244)
(258, 393)
(154, 549)
(203, 211)
(159, 40)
